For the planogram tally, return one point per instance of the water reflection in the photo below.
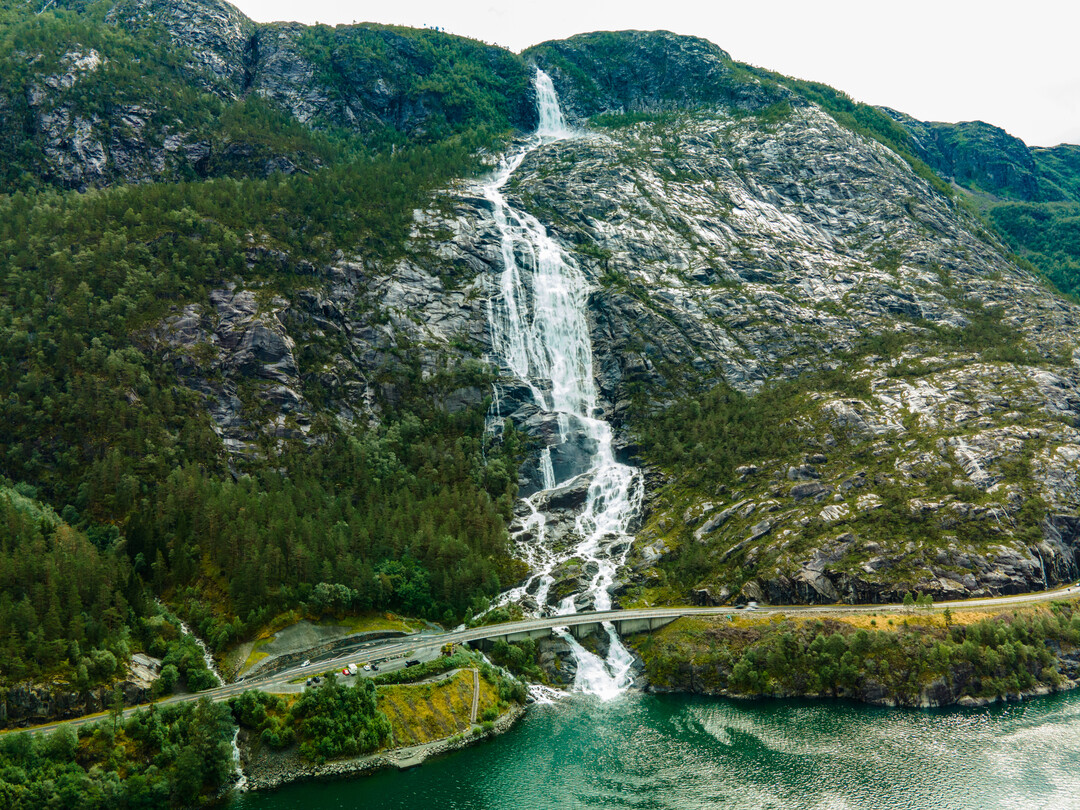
(678, 752)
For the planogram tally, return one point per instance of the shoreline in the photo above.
(268, 771)
(963, 702)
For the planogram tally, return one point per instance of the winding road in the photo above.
(391, 654)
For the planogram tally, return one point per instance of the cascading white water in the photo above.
(241, 783)
(207, 658)
(540, 335)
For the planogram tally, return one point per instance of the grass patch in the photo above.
(421, 713)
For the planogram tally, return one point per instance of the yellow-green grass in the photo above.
(422, 713)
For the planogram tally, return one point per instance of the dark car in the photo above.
(412, 662)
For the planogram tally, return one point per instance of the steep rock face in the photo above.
(974, 153)
(731, 249)
(95, 121)
(81, 147)
(1059, 169)
(723, 248)
(360, 77)
(645, 71)
(258, 357)
(217, 34)
(366, 77)
(986, 158)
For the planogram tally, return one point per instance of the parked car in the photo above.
(375, 667)
(367, 667)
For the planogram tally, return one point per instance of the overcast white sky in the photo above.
(1015, 65)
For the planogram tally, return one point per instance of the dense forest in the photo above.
(177, 756)
(893, 658)
(409, 513)
(94, 425)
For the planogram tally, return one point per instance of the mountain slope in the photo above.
(245, 338)
(99, 93)
(922, 389)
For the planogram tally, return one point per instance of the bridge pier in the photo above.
(578, 630)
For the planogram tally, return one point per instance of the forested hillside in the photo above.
(403, 507)
(245, 358)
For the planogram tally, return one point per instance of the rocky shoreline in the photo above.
(926, 700)
(264, 770)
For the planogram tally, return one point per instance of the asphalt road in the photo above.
(391, 654)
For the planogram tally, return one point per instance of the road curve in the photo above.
(399, 648)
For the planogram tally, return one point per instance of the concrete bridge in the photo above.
(578, 625)
(396, 650)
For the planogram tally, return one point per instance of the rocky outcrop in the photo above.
(217, 35)
(37, 703)
(257, 357)
(645, 72)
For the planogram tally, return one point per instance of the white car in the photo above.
(306, 664)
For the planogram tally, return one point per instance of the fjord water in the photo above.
(538, 313)
(683, 753)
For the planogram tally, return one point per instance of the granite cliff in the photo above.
(741, 237)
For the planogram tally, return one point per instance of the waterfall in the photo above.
(185, 630)
(207, 658)
(241, 783)
(537, 311)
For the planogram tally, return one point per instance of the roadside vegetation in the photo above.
(174, 756)
(898, 657)
(422, 703)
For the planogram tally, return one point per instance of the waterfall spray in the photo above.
(540, 335)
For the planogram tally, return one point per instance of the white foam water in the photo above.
(241, 783)
(540, 335)
(207, 658)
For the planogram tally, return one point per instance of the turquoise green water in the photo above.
(679, 752)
